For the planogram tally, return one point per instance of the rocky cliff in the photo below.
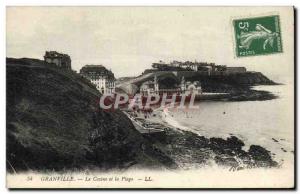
(239, 79)
(54, 123)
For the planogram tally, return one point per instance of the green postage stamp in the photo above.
(257, 36)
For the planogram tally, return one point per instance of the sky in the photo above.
(128, 40)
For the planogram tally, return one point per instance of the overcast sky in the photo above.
(128, 40)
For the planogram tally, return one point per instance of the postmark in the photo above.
(257, 36)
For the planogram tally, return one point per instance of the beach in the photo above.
(235, 135)
(254, 122)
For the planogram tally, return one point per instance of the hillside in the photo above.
(54, 123)
(237, 85)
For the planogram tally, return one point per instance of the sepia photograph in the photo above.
(137, 97)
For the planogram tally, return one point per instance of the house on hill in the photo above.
(59, 59)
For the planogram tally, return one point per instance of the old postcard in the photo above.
(150, 97)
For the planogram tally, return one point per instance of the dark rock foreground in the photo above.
(190, 150)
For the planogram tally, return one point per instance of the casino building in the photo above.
(184, 87)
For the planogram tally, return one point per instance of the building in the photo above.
(184, 87)
(59, 59)
(189, 87)
(201, 67)
(150, 87)
(103, 79)
(210, 68)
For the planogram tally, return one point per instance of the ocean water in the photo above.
(266, 123)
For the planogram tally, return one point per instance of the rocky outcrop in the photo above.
(191, 150)
(247, 78)
(233, 82)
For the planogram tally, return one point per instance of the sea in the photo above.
(269, 123)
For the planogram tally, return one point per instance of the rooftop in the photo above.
(96, 70)
(55, 54)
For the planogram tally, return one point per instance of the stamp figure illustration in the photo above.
(257, 36)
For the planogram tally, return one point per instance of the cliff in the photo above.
(54, 123)
(249, 78)
(239, 79)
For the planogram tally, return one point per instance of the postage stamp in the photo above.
(257, 36)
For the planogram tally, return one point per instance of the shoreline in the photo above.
(190, 150)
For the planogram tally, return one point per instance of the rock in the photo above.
(235, 143)
(196, 141)
(226, 146)
(226, 161)
(283, 150)
(261, 156)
